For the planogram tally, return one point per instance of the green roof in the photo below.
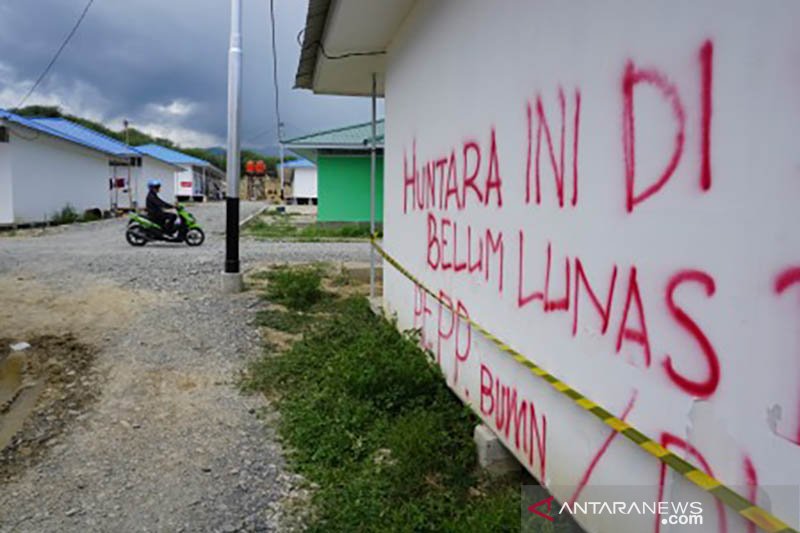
(356, 136)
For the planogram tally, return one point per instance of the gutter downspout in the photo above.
(372, 190)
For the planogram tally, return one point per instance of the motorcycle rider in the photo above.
(156, 206)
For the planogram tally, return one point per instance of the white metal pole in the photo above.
(372, 190)
(233, 156)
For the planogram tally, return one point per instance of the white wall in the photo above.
(6, 185)
(156, 169)
(305, 183)
(184, 175)
(708, 362)
(49, 173)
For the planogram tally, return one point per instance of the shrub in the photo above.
(90, 215)
(67, 215)
(298, 288)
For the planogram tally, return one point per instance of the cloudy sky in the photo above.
(162, 64)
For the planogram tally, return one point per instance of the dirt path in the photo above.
(166, 442)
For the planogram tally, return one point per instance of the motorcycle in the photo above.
(142, 230)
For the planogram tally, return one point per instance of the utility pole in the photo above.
(280, 147)
(232, 277)
(132, 191)
(372, 190)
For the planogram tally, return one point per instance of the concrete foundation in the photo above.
(232, 282)
(492, 455)
(376, 305)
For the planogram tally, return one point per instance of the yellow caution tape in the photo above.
(750, 512)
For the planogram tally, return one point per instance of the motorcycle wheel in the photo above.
(135, 235)
(195, 237)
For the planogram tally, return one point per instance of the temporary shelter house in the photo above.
(610, 190)
(43, 169)
(302, 174)
(195, 179)
(132, 169)
(342, 156)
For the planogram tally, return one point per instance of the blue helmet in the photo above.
(151, 184)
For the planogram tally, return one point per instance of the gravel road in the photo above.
(170, 444)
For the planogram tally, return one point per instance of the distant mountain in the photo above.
(268, 156)
(215, 155)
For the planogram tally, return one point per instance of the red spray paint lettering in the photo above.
(634, 76)
(503, 401)
(479, 251)
(601, 452)
(603, 311)
(639, 334)
(704, 387)
(784, 280)
(438, 184)
(669, 440)
(548, 304)
(556, 162)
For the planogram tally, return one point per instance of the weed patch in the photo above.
(67, 215)
(287, 321)
(296, 288)
(280, 226)
(370, 420)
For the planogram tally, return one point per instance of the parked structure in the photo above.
(197, 179)
(300, 177)
(129, 180)
(343, 166)
(42, 170)
(610, 189)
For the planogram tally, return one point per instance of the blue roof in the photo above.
(298, 163)
(87, 136)
(43, 127)
(172, 156)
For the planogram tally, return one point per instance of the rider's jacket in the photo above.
(155, 205)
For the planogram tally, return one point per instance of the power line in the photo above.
(58, 53)
(275, 68)
(318, 44)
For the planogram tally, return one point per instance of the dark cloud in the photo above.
(163, 65)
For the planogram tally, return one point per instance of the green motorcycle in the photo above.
(142, 230)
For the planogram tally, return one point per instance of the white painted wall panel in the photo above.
(184, 181)
(6, 185)
(668, 183)
(49, 173)
(155, 169)
(305, 183)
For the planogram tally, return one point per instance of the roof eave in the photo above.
(332, 146)
(316, 19)
(59, 136)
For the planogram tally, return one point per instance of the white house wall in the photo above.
(184, 175)
(49, 174)
(6, 185)
(305, 183)
(155, 169)
(643, 151)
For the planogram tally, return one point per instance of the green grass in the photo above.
(370, 420)
(297, 288)
(281, 227)
(288, 321)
